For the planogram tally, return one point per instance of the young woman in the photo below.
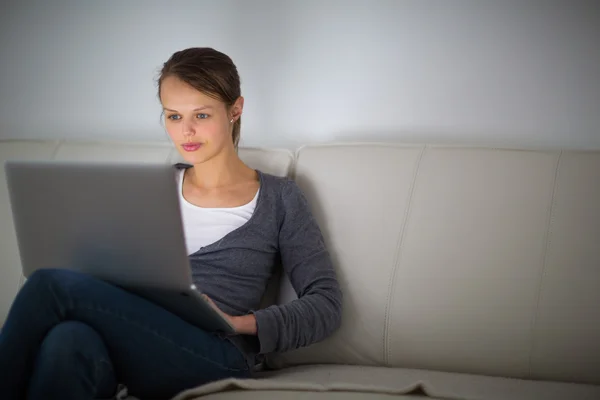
(71, 336)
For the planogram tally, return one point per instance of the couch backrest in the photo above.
(460, 259)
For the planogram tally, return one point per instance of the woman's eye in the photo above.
(174, 117)
(202, 116)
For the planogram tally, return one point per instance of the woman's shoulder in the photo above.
(279, 184)
(282, 188)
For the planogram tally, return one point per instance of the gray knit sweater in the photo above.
(234, 271)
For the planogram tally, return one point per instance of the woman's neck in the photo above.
(222, 170)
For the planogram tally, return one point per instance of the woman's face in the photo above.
(198, 125)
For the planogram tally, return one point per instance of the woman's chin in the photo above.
(195, 158)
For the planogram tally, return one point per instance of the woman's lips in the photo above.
(191, 146)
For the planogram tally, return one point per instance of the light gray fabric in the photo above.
(462, 259)
(295, 395)
(376, 381)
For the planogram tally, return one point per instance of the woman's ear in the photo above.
(237, 108)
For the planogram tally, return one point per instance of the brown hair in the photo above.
(209, 71)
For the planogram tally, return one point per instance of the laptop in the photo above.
(119, 222)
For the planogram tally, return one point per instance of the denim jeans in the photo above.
(71, 336)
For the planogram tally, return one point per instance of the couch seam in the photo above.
(390, 294)
(548, 240)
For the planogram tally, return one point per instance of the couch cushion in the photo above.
(361, 214)
(10, 261)
(460, 259)
(566, 338)
(113, 152)
(327, 380)
(309, 395)
(464, 292)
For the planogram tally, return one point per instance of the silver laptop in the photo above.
(118, 222)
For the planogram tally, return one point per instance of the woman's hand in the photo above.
(243, 325)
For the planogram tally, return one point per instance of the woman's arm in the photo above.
(316, 313)
(245, 324)
(242, 325)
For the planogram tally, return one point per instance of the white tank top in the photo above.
(204, 226)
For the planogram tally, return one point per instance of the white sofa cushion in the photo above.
(305, 395)
(113, 152)
(365, 382)
(566, 339)
(361, 215)
(455, 258)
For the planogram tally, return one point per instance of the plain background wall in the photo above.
(478, 71)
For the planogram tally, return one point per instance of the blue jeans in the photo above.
(71, 336)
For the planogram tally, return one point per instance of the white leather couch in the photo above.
(469, 273)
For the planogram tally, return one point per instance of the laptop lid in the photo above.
(119, 222)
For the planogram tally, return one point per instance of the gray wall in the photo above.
(481, 71)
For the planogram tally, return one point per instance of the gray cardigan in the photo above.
(234, 271)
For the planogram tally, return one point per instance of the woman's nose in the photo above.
(187, 129)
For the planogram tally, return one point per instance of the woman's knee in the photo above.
(71, 347)
(73, 350)
(73, 339)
